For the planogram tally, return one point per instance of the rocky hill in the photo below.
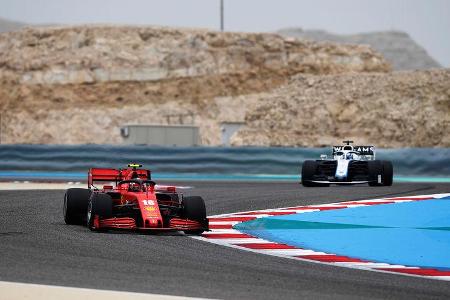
(70, 85)
(80, 84)
(396, 46)
(401, 109)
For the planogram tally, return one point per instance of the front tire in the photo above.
(75, 205)
(99, 205)
(309, 169)
(195, 209)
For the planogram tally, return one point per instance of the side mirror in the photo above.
(323, 156)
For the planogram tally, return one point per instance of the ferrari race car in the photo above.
(132, 201)
(349, 165)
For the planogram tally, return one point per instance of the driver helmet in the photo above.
(134, 187)
(349, 156)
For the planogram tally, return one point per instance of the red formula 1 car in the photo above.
(131, 200)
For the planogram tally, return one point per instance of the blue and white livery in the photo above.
(349, 165)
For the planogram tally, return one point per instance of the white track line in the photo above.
(16, 291)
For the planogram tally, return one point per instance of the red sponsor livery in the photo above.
(131, 200)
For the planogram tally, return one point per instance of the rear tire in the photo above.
(194, 209)
(388, 173)
(375, 169)
(75, 205)
(99, 205)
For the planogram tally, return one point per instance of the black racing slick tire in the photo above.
(99, 205)
(309, 169)
(75, 205)
(388, 173)
(375, 169)
(195, 210)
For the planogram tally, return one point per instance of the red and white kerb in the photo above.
(222, 233)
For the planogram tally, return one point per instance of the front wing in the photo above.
(340, 182)
(127, 223)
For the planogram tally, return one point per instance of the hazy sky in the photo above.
(427, 21)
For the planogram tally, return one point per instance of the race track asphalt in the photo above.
(37, 247)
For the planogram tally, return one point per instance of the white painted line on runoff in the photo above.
(16, 291)
(10, 186)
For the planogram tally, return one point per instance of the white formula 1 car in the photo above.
(349, 165)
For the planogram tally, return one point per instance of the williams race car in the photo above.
(132, 201)
(349, 165)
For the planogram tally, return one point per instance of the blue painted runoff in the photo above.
(410, 233)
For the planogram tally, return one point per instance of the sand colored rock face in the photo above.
(103, 54)
(403, 109)
(70, 85)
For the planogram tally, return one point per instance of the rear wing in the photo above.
(114, 175)
(363, 150)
